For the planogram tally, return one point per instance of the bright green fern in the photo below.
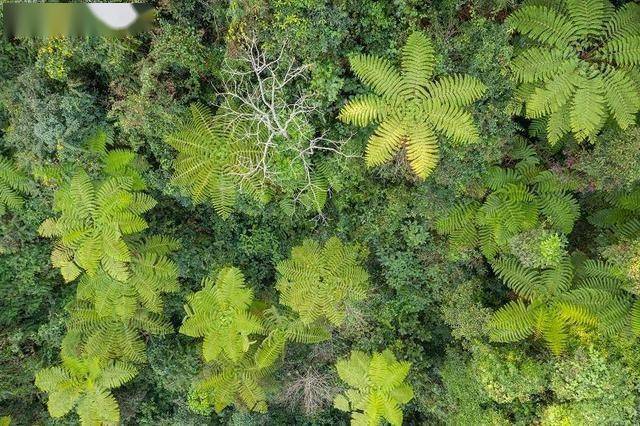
(95, 216)
(521, 199)
(410, 110)
(550, 303)
(377, 388)
(85, 384)
(213, 162)
(322, 281)
(580, 67)
(220, 313)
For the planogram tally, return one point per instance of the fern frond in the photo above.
(364, 110)
(418, 61)
(386, 142)
(379, 74)
(457, 90)
(542, 24)
(587, 16)
(523, 281)
(511, 323)
(422, 149)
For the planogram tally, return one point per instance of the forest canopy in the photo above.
(314, 212)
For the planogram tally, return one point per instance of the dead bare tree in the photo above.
(309, 390)
(264, 103)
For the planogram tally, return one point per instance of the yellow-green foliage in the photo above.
(13, 184)
(322, 281)
(85, 384)
(220, 313)
(213, 161)
(377, 389)
(581, 66)
(244, 339)
(410, 109)
(122, 282)
(95, 216)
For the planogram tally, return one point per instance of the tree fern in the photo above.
(321, 281)
(377, 389)
(520, 199)
(410, 109)
(220, 313)
(85, 384)
(577, 71)
(13, 185)
(95, 216)
(244, 339)
(119, 298)
(551, 302)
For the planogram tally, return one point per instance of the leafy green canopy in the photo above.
(13, 184)
(377, 389)
(321, 281)
(582, 66)
(410, 109)
(520, 199)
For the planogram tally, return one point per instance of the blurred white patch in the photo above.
(115, 15)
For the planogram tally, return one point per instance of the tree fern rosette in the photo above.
(85, 384)
(377, 389)
(322, 281)
(215, 161)
(95, 216)
(220, 313)
(410, 110)
(551, 302)
(581, 66)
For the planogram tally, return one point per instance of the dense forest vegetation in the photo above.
(325, 212)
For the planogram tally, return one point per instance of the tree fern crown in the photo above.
(410, 109)
(377, 388)
(580, 66)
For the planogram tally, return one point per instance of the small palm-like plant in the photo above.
(410, 109)
(581, 66)
(85, 384)
(319, 281)
(377, 389)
